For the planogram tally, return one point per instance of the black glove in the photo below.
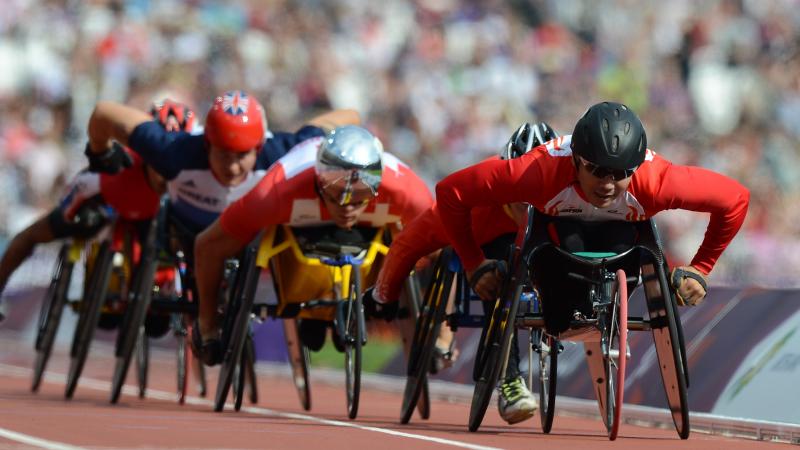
(114, 160)
(89, 219)
(373, 308)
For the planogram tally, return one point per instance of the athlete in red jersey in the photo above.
(602, 172)
(344, 178)
(494, 227)
(132, 194)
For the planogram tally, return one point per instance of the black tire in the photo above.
(236, 324)
(200, 375)
(548, 380)
(142, 362)
(135, 313)
(426, 330)
(239, 381)
(353, 340)
(299, 359)
(50, 314)
(497, 345)
(91, 306)
(182, 361)
(251, 378)
(671, 357)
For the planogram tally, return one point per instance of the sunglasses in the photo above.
(603, 172)
(347, 197)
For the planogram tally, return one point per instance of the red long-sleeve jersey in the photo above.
(287, 196)
(426, 234)
(546, 178)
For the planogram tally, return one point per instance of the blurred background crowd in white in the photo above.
(444, 83)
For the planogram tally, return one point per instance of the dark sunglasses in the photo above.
(602, 172)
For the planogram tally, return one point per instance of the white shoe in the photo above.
(516, 402)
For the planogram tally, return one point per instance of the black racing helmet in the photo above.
(610, 135)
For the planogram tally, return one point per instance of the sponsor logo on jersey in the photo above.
(199, 197)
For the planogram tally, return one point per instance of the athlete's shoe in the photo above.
(515, 402)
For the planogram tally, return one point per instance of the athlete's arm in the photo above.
(212, 247)
(419, 238)
(492, 182)
(113, 121)
(701, 190)
(336, 118)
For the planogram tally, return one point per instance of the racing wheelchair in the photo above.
(601, 322)
(155, 296)
(110, 257)
(318, 272)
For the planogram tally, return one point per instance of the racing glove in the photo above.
(686, 292)
(378, 309)
(113, 160)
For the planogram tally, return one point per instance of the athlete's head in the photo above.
(235, 130)
(348, 170)
(608, 145)
(173, 116)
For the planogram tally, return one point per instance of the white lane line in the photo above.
(101, 385)
(36, 442)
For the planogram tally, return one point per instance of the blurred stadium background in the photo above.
(442, 82)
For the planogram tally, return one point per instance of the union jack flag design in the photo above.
(235, 102)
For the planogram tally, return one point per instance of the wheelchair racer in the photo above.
(205, 172)
(600, 176)
(344, 179)
(93, 198)
(494, 227)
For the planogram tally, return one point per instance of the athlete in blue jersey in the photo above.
(205, 172)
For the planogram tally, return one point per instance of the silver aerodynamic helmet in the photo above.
(349, 165)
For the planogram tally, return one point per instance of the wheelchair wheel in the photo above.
(90, 308)
(496, 348)
(615, 360)
(426, 330)
(199, 371)
(354, 337)
(135, 314)
(299, 359)
(250, 370)
(182, 359)
(50, 314)
(667, 338)
(142, 362)
(548, 379)
(242, 373)
(236, 324)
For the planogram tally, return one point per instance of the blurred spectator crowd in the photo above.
(442, 82)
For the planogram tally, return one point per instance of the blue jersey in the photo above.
(197, 198)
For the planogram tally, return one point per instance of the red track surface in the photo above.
(89, 421)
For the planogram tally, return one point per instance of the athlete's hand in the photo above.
(691, 285)
(375, 308)
(113, 160)
(487, 279)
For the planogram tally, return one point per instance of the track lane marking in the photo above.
(36, 442)
(100, 385)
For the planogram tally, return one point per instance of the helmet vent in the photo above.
(616, 113)
(605, 125)
(614, 145)
(627, 127)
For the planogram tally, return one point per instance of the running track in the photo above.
(46, 420)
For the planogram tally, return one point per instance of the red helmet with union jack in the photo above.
(236, 122)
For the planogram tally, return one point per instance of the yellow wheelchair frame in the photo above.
(300, 277)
